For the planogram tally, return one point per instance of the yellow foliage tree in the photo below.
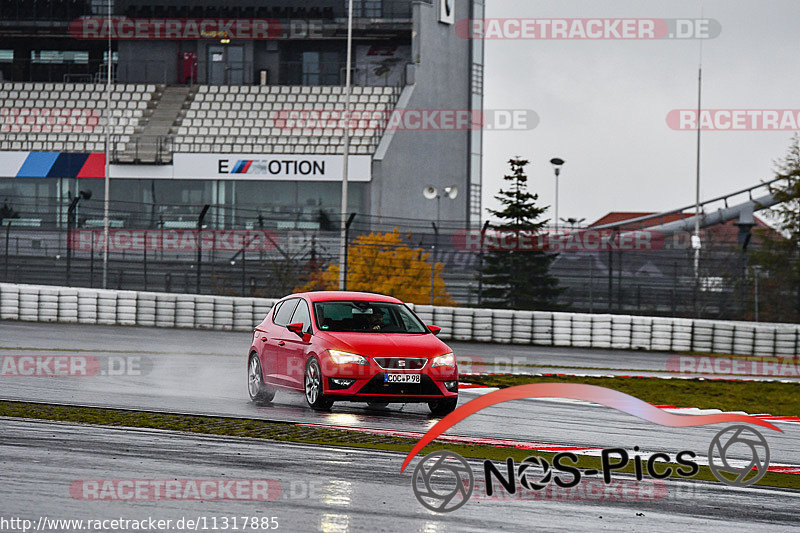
(382, 263)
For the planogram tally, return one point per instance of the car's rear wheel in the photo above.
(443, 407)
(260, 392)
(313, 387)
(377, 405)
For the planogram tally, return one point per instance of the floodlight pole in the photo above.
(345, 162)
(107, 178)
(346, 246)
(696, 243)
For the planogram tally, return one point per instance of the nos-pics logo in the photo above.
(443, 481)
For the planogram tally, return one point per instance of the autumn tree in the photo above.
(518, 279)
(383, 263)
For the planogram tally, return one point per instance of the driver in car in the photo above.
(375, 320)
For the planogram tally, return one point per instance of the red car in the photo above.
(350, 346)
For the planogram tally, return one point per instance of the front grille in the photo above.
(401, 363)
(377, 385)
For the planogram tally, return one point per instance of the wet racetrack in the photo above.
(203, 372)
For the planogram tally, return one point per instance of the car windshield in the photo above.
(362, 316)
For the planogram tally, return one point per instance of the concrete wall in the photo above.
(416, 159)
(37, 303)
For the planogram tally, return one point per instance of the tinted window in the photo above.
(285, 312)
(302, 316)
(355, 316)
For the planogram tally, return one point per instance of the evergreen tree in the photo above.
(518, 279)
(779, 257)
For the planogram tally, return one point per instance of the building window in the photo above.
(321, 68)
(77, 57)
(366, 8)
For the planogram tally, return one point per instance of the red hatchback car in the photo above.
(350, 346)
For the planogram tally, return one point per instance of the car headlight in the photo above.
(344, 358)
(447, 359)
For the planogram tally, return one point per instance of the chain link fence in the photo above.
(225, 250)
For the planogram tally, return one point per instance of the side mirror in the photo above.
(297, 329)
(435, 329)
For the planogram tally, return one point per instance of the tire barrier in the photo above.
(40, 303)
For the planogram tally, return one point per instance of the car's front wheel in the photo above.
(313, 387)
(260, 392)
(443, 407)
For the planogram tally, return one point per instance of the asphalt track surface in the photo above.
(327, 489)
(203, 372)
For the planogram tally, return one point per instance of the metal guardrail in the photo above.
(141, 149)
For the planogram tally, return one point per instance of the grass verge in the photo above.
(290, 432)
(780, 399)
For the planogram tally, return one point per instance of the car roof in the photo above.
(328, 296)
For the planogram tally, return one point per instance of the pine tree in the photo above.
(518, 279)
(779, 257)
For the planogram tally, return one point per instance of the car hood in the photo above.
(386, 344)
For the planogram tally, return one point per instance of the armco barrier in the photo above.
(37, 303)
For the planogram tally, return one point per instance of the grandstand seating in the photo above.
(69, 117)
(282, 119)
(215, 118)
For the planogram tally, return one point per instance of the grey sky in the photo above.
(603, 104)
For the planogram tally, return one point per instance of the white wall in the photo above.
(42, 303)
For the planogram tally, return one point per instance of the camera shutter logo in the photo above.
(443, 481)
(525, 473)
(739, 437)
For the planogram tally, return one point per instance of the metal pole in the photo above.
(556, 207)
(70, 223)
(432, 276)
(756, 288)
(244, 272)
(107, 184)
(697, 177)
(346, 246)
(199, 243)
(144, 262)
(433, 256)
(8, 238)
(480, 261)
(91, 263)
(610, 280)
(345, 163)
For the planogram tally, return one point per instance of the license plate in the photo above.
(401, 378)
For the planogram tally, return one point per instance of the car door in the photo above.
(297, 346)
(275, 353)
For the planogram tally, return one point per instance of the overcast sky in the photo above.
(603, 104)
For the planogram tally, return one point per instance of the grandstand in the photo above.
(281, 119)
(200, 119)
(70, 117)
(232, 95)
